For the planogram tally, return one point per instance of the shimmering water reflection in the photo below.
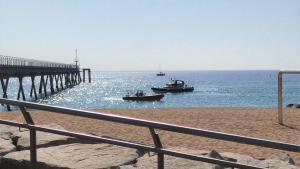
(212, 89)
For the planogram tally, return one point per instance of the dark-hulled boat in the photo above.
(160, 74)
(174, 86)
(141, 96)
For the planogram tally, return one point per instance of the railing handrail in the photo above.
(156, 125)
(18, 61)
(152, 125)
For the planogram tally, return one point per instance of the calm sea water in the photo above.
(212, 89)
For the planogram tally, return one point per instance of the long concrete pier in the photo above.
(58, 75)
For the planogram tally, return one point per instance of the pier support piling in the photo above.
(45, 86)
(83, 75)
(56, 82)
(61, 81)
(41, 84)
(4, 84)
(89, 74)
(33, 89)
(21, 90)
(51, 84)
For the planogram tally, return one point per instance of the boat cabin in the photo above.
(175, 83)
(139, 93)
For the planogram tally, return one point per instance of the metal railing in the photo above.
(23, 62)
(152, 125)
(279, 103)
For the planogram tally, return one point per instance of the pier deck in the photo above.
(59, 75)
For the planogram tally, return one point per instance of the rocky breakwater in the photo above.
(60, 152)
(150, 161)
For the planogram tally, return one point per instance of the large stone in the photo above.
(170, 162)
(73, 156)
(15, 139)
(215, 154)
(276, 164)
(243, 159)
(146, 162)
(150, 162)
(287, 158)
(6, 146)
(7, 139)
(281, 162)
(293, 105)
(59, 152)
(43, 139)
(6, 132)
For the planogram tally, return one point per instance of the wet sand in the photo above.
(254, 122)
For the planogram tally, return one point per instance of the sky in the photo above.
(143, 34)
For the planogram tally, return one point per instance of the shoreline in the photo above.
(159, 108)
(253, 122)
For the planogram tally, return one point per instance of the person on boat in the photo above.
(139, 93)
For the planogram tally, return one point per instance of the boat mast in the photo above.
(76, 59)
(159, 68)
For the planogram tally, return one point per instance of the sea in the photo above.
(212, 89)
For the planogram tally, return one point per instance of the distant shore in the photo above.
(254, 122)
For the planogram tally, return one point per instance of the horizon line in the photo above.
(188, 70)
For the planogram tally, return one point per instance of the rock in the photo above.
(7, 139)
(243, 159)
(215, 154)
(12, 164)
(6, 146)
(20, 138)
(293, 105)
(287, 158)
(73, 156)
(59, 152)
(6, 132)
(146, 162)
(150, 162)
(43, 139)
(276, 164)
(283, 162)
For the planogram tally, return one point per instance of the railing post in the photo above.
(33, 151)
(280, 109)
(158, 145)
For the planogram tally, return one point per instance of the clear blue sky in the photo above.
(141, 34)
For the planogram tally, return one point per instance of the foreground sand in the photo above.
(261, 123)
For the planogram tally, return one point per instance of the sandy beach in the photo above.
(255, 122)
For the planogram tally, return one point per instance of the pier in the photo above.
(59, 76)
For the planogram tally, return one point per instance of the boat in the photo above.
(160, 72)
(141, 96)
(174, 86)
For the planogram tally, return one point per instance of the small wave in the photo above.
(112, 98)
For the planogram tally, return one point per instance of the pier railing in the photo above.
(151, 125)
(22, 62)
